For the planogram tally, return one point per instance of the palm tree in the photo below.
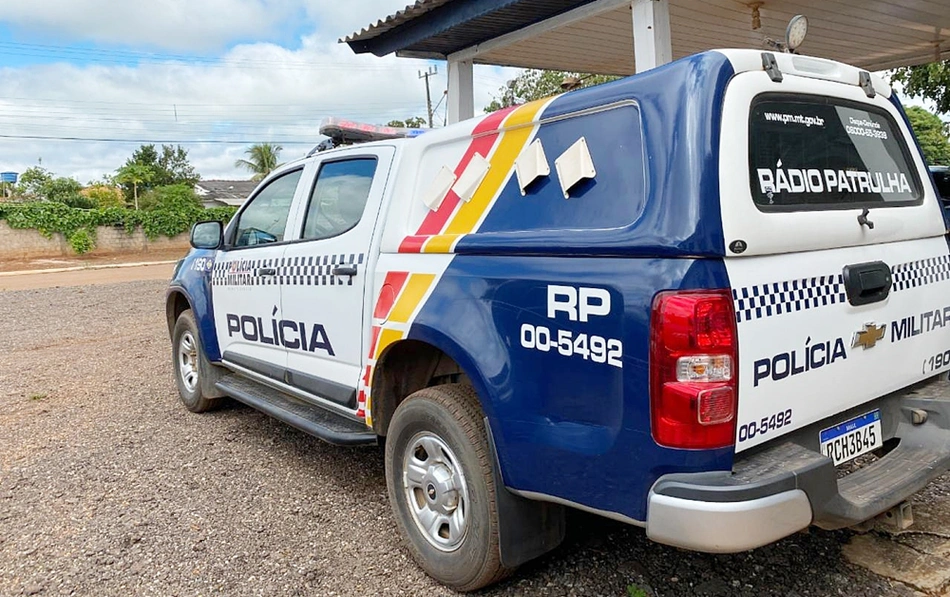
(134, 174)
(262, 159)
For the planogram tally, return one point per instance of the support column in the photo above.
(651, 33)
(461, 91)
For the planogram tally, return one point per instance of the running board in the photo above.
(309, 418)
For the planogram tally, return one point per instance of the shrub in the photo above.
(176, 197)
(104, 196)
(78, 226)
(83, 240)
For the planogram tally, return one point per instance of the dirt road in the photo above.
(85, 277)
(109, 487)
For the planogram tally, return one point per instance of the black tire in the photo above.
(196, 392)
(451, 414)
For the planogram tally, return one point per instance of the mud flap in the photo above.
(527, 528)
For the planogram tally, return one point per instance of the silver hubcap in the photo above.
(435, 490)
(188, 361)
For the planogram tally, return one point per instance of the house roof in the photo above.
(229, 192)
(597, 35)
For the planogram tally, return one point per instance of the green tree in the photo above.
(166, 167)
(261, 160)
(32, 181)
(929, 81)
(65, 190)
(174, 168)
(413, 122)
(534, 84)
(135, 175)
(931, 133)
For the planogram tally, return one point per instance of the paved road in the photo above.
(85, 277)
(109, 487)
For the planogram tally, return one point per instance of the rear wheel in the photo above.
(194, 374)
(441, 486)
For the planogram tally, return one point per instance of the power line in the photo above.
(155, 141)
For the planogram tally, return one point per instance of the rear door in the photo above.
(836, 252)
(323, 274)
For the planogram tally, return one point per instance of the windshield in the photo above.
(810, 152)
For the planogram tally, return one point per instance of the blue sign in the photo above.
(8, 177)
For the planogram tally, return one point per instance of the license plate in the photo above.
(852, 438)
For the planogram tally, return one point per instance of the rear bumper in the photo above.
(784, 488)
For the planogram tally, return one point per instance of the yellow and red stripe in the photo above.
(500, 137)
(399, 299)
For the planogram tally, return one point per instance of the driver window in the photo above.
(265, 217)
(339, 197)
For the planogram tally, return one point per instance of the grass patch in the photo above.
(635, 591)
(37, 397)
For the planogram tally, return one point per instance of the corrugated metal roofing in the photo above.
(437, 28)
(394, 20)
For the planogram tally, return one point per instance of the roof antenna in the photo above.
(864, 221)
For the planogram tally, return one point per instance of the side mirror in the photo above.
(207, 235)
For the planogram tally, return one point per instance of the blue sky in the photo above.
(189, 71)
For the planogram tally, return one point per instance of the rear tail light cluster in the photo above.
(693, 359)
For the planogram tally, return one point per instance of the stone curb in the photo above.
(78, 268)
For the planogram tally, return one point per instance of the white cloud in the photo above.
(259, 92)
(188, 25)
(252, 92)
(166, 24)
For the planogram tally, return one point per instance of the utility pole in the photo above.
(425, 75)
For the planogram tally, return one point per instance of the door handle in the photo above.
(344, 270)
(867, 283)
(267, 271)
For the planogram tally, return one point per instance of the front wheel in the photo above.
(194, 374)
(441, 486)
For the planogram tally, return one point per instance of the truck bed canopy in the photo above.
(622, 37)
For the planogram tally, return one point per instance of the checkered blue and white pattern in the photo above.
(777, 298)
(313, 270)
(920, 273)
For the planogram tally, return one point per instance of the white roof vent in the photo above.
(472, 177)
(438, 188)
(574, 165)
(531, 165)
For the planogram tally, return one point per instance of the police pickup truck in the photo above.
(687, 300)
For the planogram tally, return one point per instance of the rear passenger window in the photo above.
(339, 197)
(810, 152)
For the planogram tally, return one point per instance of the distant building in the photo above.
(220, 193)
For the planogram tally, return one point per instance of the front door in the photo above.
(324, 275)
(245, 288)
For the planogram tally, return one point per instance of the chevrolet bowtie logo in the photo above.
(869, 336)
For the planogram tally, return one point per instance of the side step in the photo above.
(309, 418)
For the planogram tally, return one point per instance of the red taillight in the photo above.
(693, 360)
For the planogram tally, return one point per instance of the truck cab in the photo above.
(710, 300)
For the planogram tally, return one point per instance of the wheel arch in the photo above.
(424, 359)
(176, 303)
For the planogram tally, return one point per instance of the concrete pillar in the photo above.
(461, 91)
(651, 33)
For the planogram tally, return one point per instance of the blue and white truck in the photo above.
(687, 300)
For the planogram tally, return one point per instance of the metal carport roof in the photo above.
(875, 34)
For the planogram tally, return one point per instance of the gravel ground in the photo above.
(109, 487)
